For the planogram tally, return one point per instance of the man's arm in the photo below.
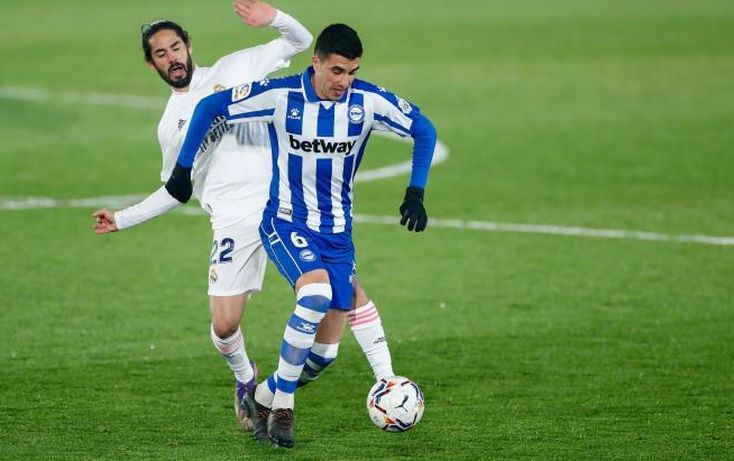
(249, 102)
(207, 110)
(392, 113)
(156, 204)
(412, 211)
(260, 14)
(254, 63)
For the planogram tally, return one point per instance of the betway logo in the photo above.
(321, 146)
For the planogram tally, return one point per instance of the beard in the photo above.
(182, 81)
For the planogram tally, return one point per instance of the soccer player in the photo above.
(232, 187)
(319, 123)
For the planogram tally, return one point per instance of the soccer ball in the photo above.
(395, 404)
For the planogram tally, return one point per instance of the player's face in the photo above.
(171, 58)
(333, 75)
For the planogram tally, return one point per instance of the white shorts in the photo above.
(238, 261)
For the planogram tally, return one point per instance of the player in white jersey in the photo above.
(319, 123)
(232, 186)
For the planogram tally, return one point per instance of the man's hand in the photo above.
(254, 13)
(179, 184)
(412, 211)
(104, 221)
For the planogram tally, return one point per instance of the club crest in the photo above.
(356, 113)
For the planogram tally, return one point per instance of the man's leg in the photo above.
(325, 347)
(366, 324)
(320, 356)
(313, 298)
(237, 268)
(226, 335)
(367, 328)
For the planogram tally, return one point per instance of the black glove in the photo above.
(412, 210)
(179, 184)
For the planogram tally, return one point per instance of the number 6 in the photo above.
(298, 241)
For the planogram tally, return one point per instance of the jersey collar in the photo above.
(311, 92)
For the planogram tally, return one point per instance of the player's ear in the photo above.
(150, 64)
(315, 60)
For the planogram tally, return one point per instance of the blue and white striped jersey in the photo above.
(317, 145)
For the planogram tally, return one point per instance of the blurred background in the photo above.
(531, 336)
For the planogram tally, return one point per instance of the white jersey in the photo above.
(231, 185)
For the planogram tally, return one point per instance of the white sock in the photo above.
(233, 351)
(265, 391)
(367, 328)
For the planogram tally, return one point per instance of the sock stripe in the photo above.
(367, 307)
(319, 360)
(283, 385)
(374, 318)
(361, 313)
(227, 345)
(308, 314)
(308, 370)
(302, 325)
(271, 383)
(297, 339)
(316, 303)
(293, 355)
(288, 369)
(325, 350)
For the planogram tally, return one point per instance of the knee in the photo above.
(315, 296)
(223, 328)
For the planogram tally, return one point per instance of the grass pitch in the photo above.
(601, 115)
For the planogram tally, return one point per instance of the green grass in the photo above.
(595, 114)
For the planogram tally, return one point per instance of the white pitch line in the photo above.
(76, 97)
(121, 201)
(146, 102)
(440, 155)
(548, 229)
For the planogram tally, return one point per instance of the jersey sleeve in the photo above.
(156, 204)
(249, 102)
(256, 62)
(395, 114)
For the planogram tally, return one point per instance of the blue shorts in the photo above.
(295, 249)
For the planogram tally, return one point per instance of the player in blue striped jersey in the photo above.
(319, 123)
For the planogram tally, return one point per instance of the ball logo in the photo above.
(241, 92)
(307, 256)
(404, 106)
(356, 113)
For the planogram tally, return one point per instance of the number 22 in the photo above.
(227, 247)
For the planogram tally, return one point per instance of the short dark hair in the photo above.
(148, 30)
(340, 39)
